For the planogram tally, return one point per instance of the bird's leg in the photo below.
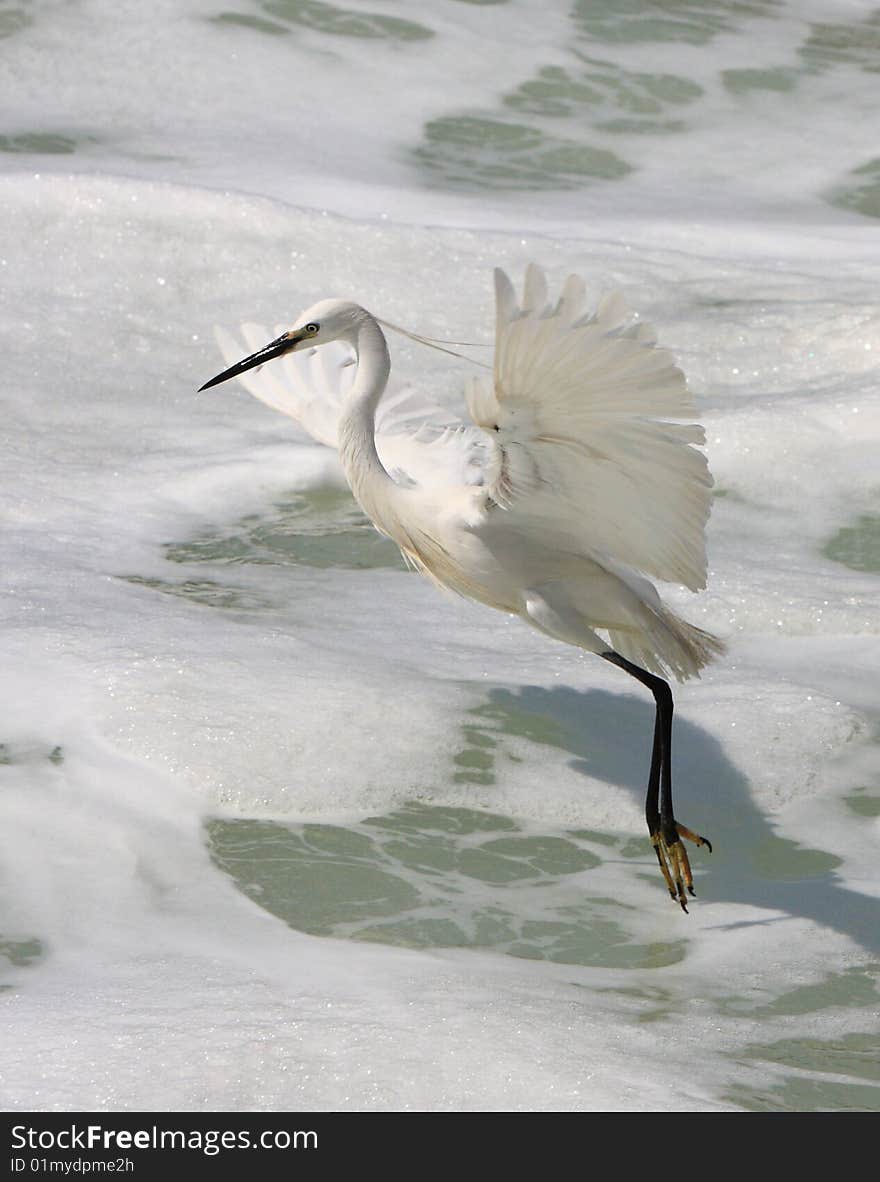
(652, 802)
(666, 833)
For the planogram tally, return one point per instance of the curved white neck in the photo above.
(357, 425)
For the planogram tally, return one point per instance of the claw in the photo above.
(683, 831)
(674, 862)
(660, 850)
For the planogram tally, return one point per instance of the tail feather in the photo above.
(668, 645)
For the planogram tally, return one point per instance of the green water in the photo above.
(331, 19)
(856, 44)
(476, 151)
(864, 803)
(857, 545)
(21, 952)
(18, 952)
(693, 22)
(13, 20)
(433, 876)
(860, 190)
(853, 1056)
(44, 143)
(776, 78)
(321, 528)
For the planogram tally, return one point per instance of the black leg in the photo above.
(658, 803)
(665, 831)
(652, 799)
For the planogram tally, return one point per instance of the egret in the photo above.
(574, 484)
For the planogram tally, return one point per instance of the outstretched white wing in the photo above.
(584, 452)
(417, 441)
(307, 386)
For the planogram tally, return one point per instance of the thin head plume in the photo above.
(440, 346)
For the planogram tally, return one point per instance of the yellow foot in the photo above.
(674, 863)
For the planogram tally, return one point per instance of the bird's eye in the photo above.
(311, 329)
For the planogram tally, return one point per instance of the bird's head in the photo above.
(329, 320)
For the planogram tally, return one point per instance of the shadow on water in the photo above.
(429, 875)
(609, 739)
(434, 876)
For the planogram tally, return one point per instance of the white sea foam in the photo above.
(149, 684)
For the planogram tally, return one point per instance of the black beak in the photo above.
(276, 348)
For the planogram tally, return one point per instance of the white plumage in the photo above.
(571, 438)
(578, 402)
(574, 482)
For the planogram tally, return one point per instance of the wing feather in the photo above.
(418, 442)
(578, 411)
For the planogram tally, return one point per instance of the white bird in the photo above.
(570, 486)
